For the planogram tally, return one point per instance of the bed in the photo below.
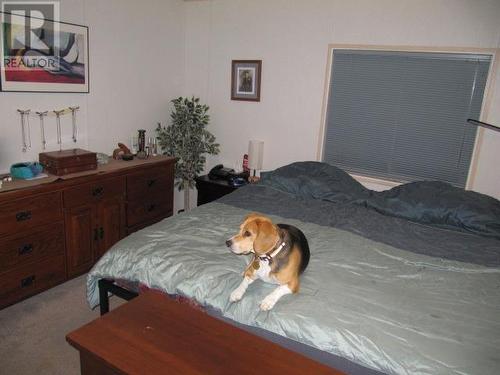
(405, 281)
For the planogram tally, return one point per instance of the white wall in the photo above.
(291, 37)
(144, 53)
(136, 68)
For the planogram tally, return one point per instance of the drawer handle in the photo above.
(151, 182)
(27, 281)
(101, 233)
(24, 215)
(151, 207)
(97, 191)
(26, 249)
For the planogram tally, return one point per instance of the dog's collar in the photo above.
(269, 256)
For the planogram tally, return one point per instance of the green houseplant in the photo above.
(187, 139)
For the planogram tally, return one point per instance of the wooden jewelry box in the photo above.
(65, 162)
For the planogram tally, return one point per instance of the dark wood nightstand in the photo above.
(210, 190)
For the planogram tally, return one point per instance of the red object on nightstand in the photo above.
(245, 163)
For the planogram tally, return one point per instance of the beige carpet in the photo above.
(32, 332)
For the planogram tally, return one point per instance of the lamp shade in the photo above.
(255, 154)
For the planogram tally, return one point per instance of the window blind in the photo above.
(402, 115)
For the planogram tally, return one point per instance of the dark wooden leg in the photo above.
(108, 286)
(103, 297)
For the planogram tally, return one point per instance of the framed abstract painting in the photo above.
(245, 80)
(41, 55)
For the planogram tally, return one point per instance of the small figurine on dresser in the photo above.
(122, 152)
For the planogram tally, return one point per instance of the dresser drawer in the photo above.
(27, 280)
(22, 214)
(45, 241)
(148, 209)
(94, 192)
(155, 181)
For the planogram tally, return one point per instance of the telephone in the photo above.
(234, 179)
(220, 173)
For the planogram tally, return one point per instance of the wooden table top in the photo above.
(154, 334)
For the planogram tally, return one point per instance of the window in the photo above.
(402, 115)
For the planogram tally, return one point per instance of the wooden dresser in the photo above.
(54, 229)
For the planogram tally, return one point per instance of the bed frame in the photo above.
(107, 286)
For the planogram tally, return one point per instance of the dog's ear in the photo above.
(266, 238)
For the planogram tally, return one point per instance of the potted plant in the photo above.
(187, 139)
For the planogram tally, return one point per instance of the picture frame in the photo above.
(24, 68)
(245, 80)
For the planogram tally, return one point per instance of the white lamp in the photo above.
(255, 155)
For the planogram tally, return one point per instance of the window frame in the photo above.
(485, 106)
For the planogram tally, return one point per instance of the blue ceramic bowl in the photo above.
(25, 170)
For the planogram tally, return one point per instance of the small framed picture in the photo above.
(245, 80)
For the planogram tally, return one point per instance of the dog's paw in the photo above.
(236, 295)
(268, 303)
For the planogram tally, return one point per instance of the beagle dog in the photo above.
(280, 255)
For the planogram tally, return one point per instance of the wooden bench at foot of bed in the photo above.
(154, 334)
